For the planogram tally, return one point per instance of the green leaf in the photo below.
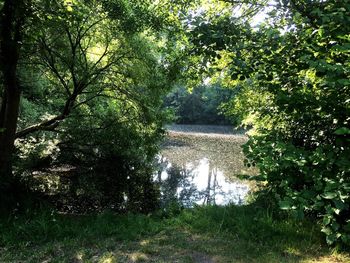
(342, 131)
(326, 230)
(339, 204)
(331, 239)
(285, 205)
(326, 220)
(329, 195)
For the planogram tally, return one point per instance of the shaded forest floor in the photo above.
(204, 234)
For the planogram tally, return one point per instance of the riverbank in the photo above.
(252, 232)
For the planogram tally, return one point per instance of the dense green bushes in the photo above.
(293, 72)
(301, 142)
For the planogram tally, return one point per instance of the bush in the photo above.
(296, 94)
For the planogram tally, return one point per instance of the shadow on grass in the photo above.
(203, 234)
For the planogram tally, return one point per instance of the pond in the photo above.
(199, 165)
(196, 165)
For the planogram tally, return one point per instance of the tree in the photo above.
(293, 72)
(11, 24)
(72, 54)
(202, 105)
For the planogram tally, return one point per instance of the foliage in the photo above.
(105, 65)
(116, 156)
(101, 65)
(301, 145)
(293, 73)
(201, 105)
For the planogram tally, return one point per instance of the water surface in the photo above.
(196, 167)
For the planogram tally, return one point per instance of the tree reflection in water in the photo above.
(197, 182)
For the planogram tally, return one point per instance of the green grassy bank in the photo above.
(203, 234)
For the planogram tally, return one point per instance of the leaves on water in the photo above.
(223, 151)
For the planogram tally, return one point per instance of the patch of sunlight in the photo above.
(79, 256)
(98, 54)
(335, 258)
(138, 257)
(108, 258)
(292, 251)
(144, 242)
(206, 81)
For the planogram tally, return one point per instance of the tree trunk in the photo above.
(7, 136)
(10, 36)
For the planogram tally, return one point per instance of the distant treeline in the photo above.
(201, 105)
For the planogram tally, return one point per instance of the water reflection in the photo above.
(197, 182)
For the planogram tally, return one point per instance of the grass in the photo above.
(203, 234)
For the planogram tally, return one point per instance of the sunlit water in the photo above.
(198, 183)
(200, 169)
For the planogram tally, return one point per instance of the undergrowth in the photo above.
(221, 234)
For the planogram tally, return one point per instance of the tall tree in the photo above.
(80, 52)
(12, 21)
